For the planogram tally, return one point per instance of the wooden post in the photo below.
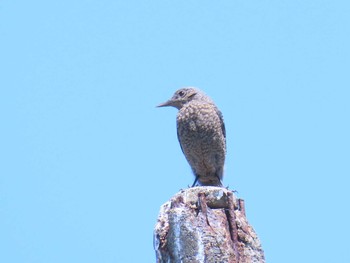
(205, 224)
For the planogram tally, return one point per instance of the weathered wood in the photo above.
(204, 224)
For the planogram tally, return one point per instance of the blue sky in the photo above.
(87, 159)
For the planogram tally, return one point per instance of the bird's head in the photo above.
(181, 97)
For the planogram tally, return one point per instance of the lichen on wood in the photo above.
(196, 225)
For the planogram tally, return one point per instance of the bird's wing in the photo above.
(222, 123)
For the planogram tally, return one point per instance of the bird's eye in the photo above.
(181, 93)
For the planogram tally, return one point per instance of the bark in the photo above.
(205, 224)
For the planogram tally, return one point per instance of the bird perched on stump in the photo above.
(201, 133)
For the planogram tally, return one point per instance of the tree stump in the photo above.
(205, 224)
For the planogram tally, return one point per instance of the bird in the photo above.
(201, 134)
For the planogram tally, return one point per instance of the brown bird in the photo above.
(201, 133)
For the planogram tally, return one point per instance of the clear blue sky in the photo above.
(87, 159)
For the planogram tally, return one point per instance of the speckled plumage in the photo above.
(201, 133)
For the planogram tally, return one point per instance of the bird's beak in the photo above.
(165, 104)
